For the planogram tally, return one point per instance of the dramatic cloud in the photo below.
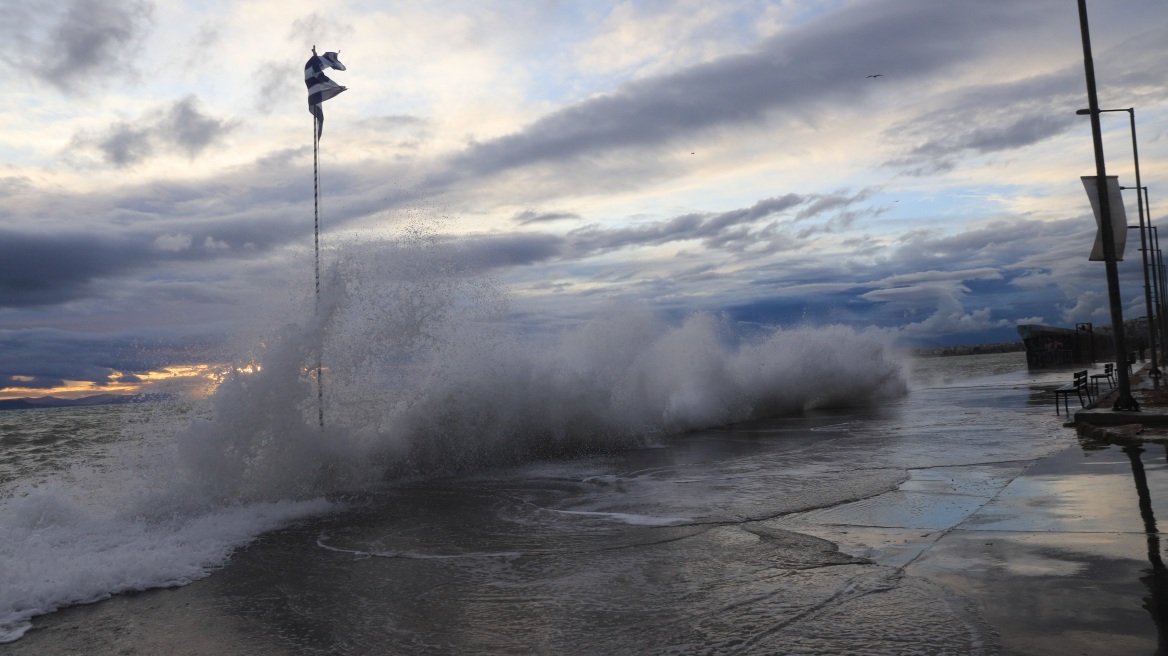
(811, 68)
(44, 358)
(180, 128)
(723, 156)
(987, 119)
(718, 230)
(75, 44)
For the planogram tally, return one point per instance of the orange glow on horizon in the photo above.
(194, 380)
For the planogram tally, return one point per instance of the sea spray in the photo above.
(428, 371)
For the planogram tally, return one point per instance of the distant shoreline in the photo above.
(33, 403)
(978, 349)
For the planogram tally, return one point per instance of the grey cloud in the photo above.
(494, 251)
(394, 122)
(51, 356)
(181, 127)
(716, 229)
(797, 72)
(73, 45)
(274, 86)
(124, 145)
(934, 276)
(38, 270)
(987, 119)
(318, 30)
(529, 216)
(829, 202)
(190, 129)
(36, 382)
(14, 184)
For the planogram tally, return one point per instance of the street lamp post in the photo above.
(1123, 399)
(1159, 281)
(1131, 112)
(1162, 276)
(1163, 280)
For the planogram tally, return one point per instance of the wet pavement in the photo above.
(1060, 555)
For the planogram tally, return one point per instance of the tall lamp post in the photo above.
(1131, 112)
(1159, 281)
(1123, 398)
(1162, 276)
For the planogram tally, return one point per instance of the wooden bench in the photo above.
(1108, 374)
(1078, 387)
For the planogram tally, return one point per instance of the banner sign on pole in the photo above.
(1118, 217)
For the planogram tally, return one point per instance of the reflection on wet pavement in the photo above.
(1062, 556)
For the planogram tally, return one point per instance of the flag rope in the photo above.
(316, 243)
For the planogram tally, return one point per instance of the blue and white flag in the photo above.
(320, 87)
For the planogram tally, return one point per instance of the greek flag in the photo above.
(320, 87)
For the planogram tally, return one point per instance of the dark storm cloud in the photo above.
(29, 382)
(38, 270)
(180, 128)
(46, 269)
(51, 356)
(798, 72)
(74, 44)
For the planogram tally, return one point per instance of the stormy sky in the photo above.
(729, 156)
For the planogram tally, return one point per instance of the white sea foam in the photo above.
(56, 550)
(427, 372)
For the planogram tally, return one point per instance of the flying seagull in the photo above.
(877, 75)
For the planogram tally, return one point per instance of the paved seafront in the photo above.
(1060, 555)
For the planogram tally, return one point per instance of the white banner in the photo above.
(1118, 217)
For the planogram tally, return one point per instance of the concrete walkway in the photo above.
(1060, 555)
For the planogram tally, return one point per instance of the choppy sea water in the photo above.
(657, 538)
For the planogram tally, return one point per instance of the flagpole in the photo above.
(316, 242)
(320, 89)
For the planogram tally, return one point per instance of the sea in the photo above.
(616, 485)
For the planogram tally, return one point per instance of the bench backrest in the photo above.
(1080, 378)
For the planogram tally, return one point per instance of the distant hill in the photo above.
(97, 399)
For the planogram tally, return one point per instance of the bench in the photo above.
(1078, 387)
(1108, 374)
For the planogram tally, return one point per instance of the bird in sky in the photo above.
(877, 75)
